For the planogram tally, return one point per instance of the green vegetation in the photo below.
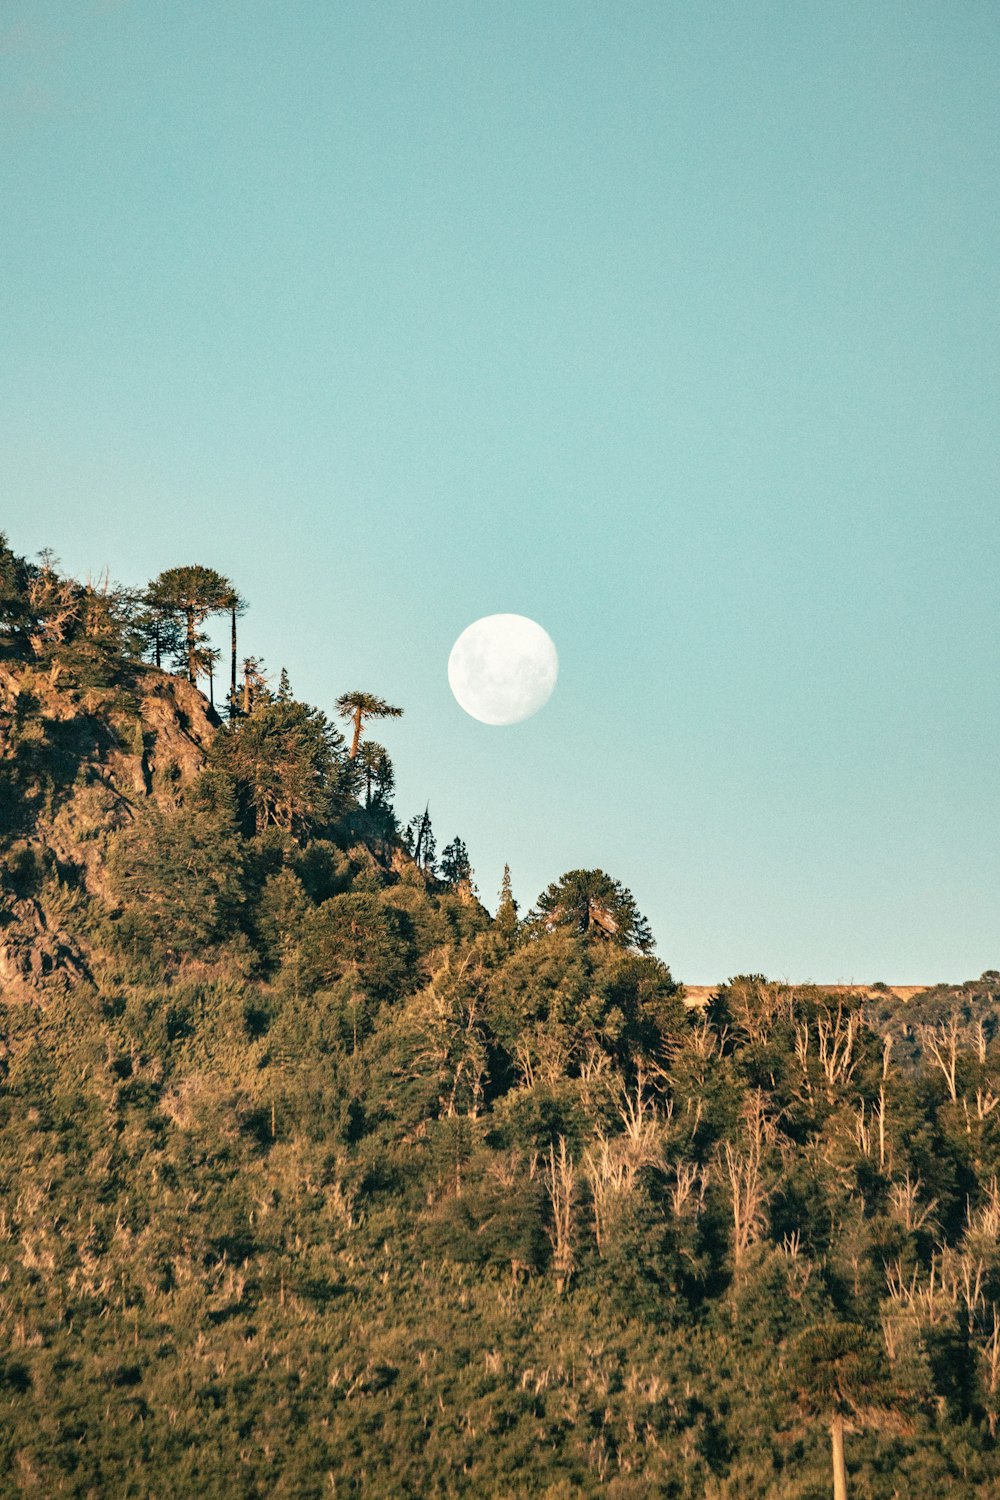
(317, 1180)
(360, 706)
(191, 594)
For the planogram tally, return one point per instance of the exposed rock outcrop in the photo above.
(31, 951)
(75, 763)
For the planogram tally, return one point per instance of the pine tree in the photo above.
(839, 1370)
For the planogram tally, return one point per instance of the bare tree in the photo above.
(54, 604)
(835, 1036)
(743, 1164)
(560, 1183)
(941, 1045)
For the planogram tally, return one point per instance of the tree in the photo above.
(281, 909)
(560, 1182)
(54, 604)
(505, 921)
(287, 761)
(355, 936)
(15, 576)
(255, 689)
(236, 606)
(361, 706)
(192, 593)
(591, 903)
(178, 878)
(377, 774)
(150, 633)
(743, 1163)
(559, 1002)
(453, 1043)
(455, 865)
(838, 1370)
(207, 659)
(419, 839)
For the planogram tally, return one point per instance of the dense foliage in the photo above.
(316, 1180)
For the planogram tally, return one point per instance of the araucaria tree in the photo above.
(838, 1371)
(15, 576)
(376, 774)
(456, 867)
(287, 761)
(361, 706)
(192, 593)
(236, 606)
(591, 903)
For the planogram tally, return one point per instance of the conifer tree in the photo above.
(192, 593)
(152, 634)
(358, 707)
(594, 905)
(838, 1370)
(455, 864)
(236, 606)
(14, 579)
(288, 763)
(420, 841)
(505, 920)
(207, 659)
(377, 774)
(254, 684)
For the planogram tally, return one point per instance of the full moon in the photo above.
(502, 669)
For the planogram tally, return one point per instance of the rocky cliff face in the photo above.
(75, 766)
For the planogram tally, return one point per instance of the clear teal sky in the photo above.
(672, 325)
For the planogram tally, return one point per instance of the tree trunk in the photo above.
(839, 1468)
(357, 734)
(192, 673)
(232, 686)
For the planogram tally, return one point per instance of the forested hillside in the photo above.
(316, 1179)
